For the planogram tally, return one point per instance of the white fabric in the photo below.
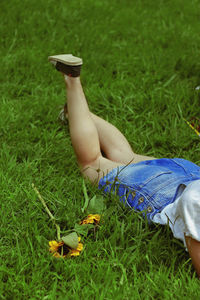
(183, 216)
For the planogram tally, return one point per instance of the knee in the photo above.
(91, 170)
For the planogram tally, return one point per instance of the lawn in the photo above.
(141, 68)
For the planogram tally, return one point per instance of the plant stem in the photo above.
(47, 210)
(58, 231)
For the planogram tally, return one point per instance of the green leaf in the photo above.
(86, 197)
(96, 205)
(83, 229)
(71, 240)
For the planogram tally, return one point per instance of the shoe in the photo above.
(67, 64)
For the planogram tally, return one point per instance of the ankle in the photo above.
(70, 81)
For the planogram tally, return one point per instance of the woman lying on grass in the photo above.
(167, 191)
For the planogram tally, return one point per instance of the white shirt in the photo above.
(183, 215)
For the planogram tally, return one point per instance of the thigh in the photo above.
(138, 158)
(102, 166)
(99, 168)
(127, 155)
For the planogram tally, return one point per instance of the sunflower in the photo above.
(91, 219)
(59, 249)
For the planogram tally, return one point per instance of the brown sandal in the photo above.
(67, 64)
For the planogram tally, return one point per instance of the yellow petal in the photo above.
(57, 255)
(75, 253)
(53, 244)
(53, 248)
(91, 219)
(80, 247)
(84, 222)
(95, 217)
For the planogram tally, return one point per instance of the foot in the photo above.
(67, 64)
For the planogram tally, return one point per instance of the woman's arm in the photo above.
(194, 251)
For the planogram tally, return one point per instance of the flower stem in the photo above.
(58, 231)
(47, 210)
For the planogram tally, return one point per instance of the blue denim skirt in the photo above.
(150, 185)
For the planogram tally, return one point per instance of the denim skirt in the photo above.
(148, 186)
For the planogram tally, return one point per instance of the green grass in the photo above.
(141, 67)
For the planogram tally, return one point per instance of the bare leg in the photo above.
(84, 134)
(114, 144)
(194, 251)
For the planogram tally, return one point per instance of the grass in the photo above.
(141, 67)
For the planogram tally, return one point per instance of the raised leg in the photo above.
(113, 143)
(84, 134)
(89, 133)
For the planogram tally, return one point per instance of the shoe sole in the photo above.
(66, 59)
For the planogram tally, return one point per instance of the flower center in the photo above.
(65, 249)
